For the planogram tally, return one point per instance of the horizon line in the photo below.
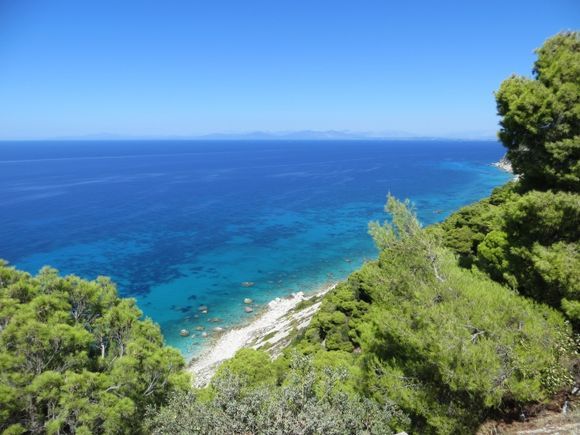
(199, 139)
(302, 135)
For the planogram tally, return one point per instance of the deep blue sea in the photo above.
(182, 223)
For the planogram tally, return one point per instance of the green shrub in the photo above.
(75, 358)
(307, 404)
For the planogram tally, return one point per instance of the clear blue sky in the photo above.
(172, 67)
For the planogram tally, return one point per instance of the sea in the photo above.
(180, 225)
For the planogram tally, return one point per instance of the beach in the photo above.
(271, 330)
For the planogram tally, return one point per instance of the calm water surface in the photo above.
(178, 224)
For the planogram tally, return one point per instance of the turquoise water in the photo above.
(180, 224)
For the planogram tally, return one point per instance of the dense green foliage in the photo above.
(526, 235)
(75, 358)
(540, 123)
(445, 344)
(305, 404)
(528, 241)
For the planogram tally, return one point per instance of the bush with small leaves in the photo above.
(304, 404)
(75, 358)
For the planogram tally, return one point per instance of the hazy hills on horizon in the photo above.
(281, 135)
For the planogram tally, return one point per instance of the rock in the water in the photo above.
(218, 329)
(248, 309)
(199, 328)
(204, 334)
(248, 301)
(184, 332)
(214, 319)
(248, 284)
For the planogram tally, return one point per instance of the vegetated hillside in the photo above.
(526, 235)
(465, 320)
(416, 333)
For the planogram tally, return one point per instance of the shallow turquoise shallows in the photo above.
(181, 224)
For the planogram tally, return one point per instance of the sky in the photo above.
(190, 67)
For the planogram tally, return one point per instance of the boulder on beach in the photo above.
(184, 332)
(218, 329)
(248, 301)
(248, 284)
(248, 309)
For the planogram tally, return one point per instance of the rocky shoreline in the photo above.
(504, 164)
(271, 331)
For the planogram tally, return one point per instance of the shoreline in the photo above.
(504, 164)
(271, 330)
(273, 327)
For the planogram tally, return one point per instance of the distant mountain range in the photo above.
(307, 135)
(287, 135)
